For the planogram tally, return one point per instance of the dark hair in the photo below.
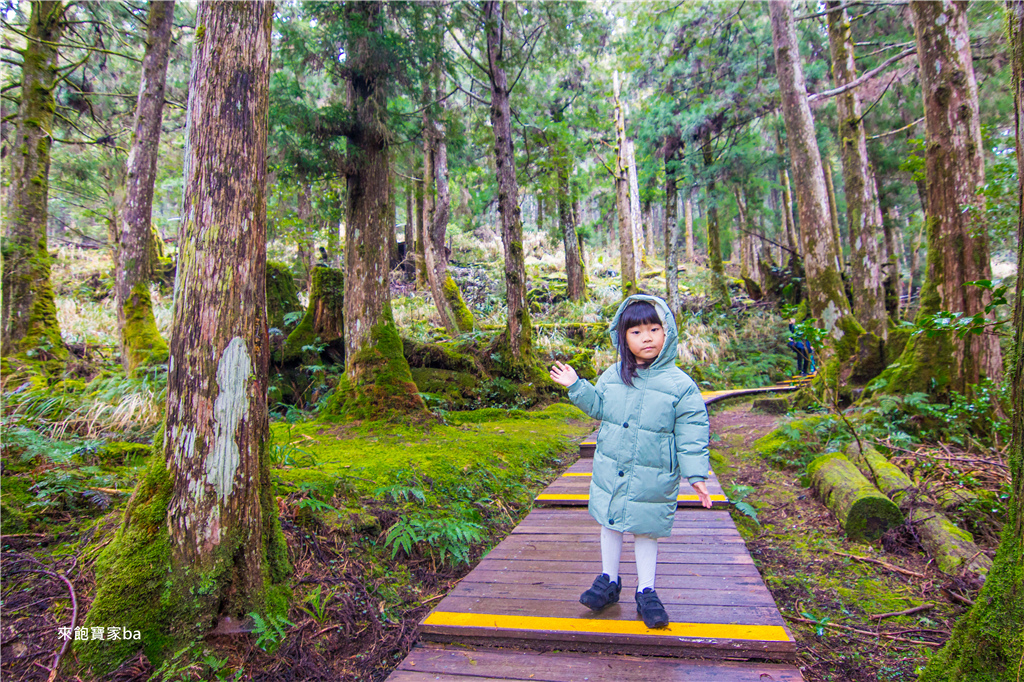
(634, 315)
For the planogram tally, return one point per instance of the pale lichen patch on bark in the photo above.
(231, 406)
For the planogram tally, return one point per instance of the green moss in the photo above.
(124, 454)
(384, 388)
(282, 294)
(142, 345)
(463, 317)
(326, 293)
(134, 579)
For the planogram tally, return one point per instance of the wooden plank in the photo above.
(502, 664)
(664, 557)
(582, 580)
(593, 567)
(684, 594)
(719, 537)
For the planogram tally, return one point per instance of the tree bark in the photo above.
(517, 340)
(988, 642)
(635, 214)
(141, 343)
(673, 145)
(447, 298)
(833, 211)
(957, 238)
(719, 289)
(576, 288)
(891, 280)
(29, 313)
(221, 513)
(744, 237)
(863, 512)
(826, 297)
(627, 242)
(688, 220)
(863, 213)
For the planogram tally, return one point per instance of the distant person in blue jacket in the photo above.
(654, 431)
(802, 347)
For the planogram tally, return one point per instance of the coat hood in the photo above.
(669, 353)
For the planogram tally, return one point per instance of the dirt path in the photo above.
(795, 547)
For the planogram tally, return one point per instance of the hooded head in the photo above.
(667, 356)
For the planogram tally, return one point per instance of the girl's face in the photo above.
(645, 342)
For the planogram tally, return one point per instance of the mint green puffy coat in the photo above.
(652, 434)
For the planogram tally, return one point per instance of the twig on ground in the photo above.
(861, 632)
(906, 612)
(882, 563)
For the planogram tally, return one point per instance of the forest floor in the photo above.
(827, 598)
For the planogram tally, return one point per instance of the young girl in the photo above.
(654, 430)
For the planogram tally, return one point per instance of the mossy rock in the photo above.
(447, 356)
(282, 294)
(445, 384)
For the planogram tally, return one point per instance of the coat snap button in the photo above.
(611, 522)
(622, 473)
(626, 425)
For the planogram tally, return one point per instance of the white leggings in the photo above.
(644, 546)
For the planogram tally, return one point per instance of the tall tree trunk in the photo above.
(833, 211)
(140, 340)
(517, 339)
(29, 313)
(412, 207)
(566, 218)
(988, 642)
(201, 531)
(863, 213)
(447, 298)
(627, 243)
(788, 221)
(635, 214)
(827, 299)
(673, 145)
(957, 239)
(744, 238)
(891, 281)
(377, 371)
(719, 289)
(647, 219)
(688, 221)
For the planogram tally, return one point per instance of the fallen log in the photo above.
(952, 548)
(863, 511)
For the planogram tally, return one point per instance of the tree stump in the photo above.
(864, 512)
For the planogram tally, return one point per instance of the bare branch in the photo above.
(898, 130)
(862, 78)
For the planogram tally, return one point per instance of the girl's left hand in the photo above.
(702, 493)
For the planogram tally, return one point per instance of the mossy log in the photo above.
(864, 512)
(952, 548)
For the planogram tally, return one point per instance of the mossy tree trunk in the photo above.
(673, 146)
(455, 315)
(29, 313)
(744, 230)
(379, 378)
(988, 642)
(826, 297)
(141, 343)
(688, 223)
(215, 513)
(719, 289)
(863, 214)
(891, 280)
(517, 341)
(627, 246)
(958, 249)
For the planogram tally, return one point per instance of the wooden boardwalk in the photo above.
(517, 615)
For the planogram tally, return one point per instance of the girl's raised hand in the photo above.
(563, 374)
(702, 493)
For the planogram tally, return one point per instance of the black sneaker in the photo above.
(602, 593)
(651, 609)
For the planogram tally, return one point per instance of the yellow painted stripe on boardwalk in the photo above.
(681, 498)
(764, 633)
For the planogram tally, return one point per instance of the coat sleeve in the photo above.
(585, 396)
(691, 435)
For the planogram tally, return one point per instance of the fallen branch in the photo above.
(74, 617)
(907, 612)
(112, 491)
(882, 563)
(861, 632)
(958, 597)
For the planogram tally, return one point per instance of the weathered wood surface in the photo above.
(573, 488)
(432, 663)
(526, 590)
